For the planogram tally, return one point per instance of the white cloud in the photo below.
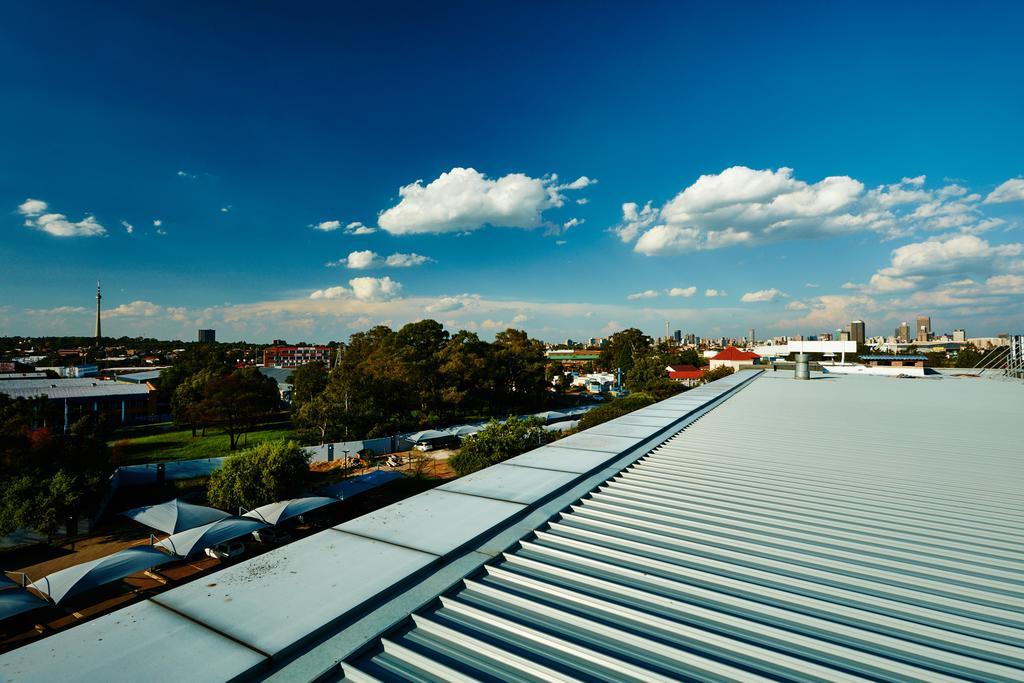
(646, 294)
(464, 199)
(128, 227)
(713, 292)
(59, 310)
(225, 209)
(744, 206)
(578, 184)
(812, 285)
(357, 228)
(33, 207)
(761, 295)
(582, 200)
(374, 288)
(135, 309)
(184, 174)
(360, 260)
(1010, 191)
(682, 291)
(327, 226)
(796, 306)
(157, 223)
(331, 293)
(572, 223)
(398, 260)
(635, 220)
(57, 224)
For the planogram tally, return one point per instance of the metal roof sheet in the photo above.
(828, 530)
(842, 534)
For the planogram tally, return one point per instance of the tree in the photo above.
(269, 472)
(47, 478)
(709, 375)
(195, 358)
(188, 397)
(623, 348)
(497, 442)
(307, 382)
(319, 418)
(518, 363)
(236, 401)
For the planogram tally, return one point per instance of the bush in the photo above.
(718, 373)
(498, 441)
(617, 408)
(267, 473)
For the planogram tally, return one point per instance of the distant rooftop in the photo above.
(71, 388)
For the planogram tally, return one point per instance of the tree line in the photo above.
(388, 381)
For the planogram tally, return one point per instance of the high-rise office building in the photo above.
(959, 335)
(678, 336)
(207, 336)
(924, 328)
(857, 332)
(903, 332)
(751, 336)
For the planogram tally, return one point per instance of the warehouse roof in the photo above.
(845, 532)
(82, 387)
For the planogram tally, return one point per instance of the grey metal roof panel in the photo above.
(511, 483)
(597, 442)
(142, 642)
(861, 539)
(272, 601)
(556, 457)
(436, 522)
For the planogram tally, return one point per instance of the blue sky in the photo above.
(872, 151)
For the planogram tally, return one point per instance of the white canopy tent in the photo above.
(194, 541)
(83, 577)
(174, 516)
(275, 513)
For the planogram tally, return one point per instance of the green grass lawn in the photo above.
(179, 444)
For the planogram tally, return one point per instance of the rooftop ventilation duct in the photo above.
(803, 366)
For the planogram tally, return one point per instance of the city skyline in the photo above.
(256, 184)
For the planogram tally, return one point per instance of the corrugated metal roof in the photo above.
(81, 387)
(827, 530)
(284, 601)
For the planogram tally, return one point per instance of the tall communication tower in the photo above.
(98, 298)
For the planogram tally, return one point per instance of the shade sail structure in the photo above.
(16, 600)
(465, 430)
(72, 581)
(194, 541)
(275, 513)
(427, 435)
(175, 515)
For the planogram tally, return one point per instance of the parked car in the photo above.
(225, 551)
(423, 446)
(271, 535)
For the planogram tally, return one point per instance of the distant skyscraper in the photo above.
(959, 335)
(857, 332)
(924, 328)
(678, 336)
(751, 337)
(903, 332)
(207, 336)
(98, 298)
